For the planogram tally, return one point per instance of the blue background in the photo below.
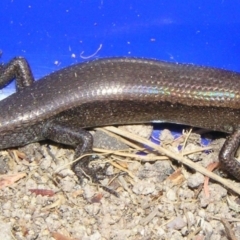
(52, 34)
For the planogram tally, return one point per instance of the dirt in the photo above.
(41, 198)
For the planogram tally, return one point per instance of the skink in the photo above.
(118, 91)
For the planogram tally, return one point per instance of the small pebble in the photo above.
(195, 180)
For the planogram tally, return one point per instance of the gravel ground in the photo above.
(40, 197)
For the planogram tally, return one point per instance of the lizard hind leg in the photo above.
(82, 140)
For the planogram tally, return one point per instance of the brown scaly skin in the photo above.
(117, 91)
